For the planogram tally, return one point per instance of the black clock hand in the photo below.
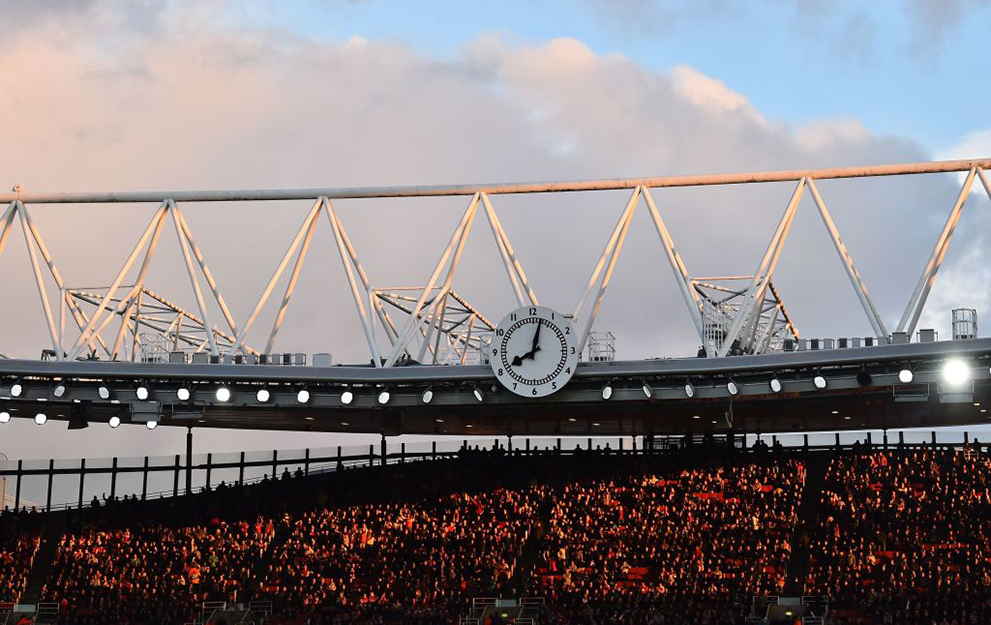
(536, 340)
(534, 348)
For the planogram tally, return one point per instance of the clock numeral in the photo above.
(572, 349)
(533, 311)
(568, 370)
(533, 392)
(500, 371)
(567, 329)
(554, 385)
(512, 317)
(500, 332)
(514, 386)
(495, 352)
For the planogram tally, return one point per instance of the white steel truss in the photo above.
(750, 318)
(721, 300)
(128, 306)
(466, 331)
(155, 319)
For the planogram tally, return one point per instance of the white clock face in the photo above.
(534, 352)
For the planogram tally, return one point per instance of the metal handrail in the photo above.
(368, 458)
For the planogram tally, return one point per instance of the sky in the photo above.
(142, 94)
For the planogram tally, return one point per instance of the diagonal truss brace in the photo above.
(365, 302)
(606, 262)
(858, 284)
(32, 238)
(910, 318)
(748, 314)
(129, 306)
(431, 312)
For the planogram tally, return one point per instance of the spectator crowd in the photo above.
(20, 534)
(678, 537)
(671, 543)
(904, 538)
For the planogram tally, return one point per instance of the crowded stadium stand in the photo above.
(701, 532)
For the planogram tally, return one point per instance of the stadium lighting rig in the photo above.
(263, 395)
(905, 376)
(40, 418)
(223, 394)
(427, 396)
(775, 384)
(4, 416)
(956, 372)
(114, 422)
(183, 393)
(347, 396)
(384, 396)
(689, 390)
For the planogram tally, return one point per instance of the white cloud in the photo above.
(711, 94)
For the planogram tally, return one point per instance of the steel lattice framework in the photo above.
(431, 322)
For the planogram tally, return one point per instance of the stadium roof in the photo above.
(862, 390)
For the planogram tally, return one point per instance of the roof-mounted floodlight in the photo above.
(956, 372)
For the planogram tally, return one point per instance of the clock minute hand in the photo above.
(536, 340)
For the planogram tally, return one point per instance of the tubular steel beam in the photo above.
(918, 301)
(858, 283)
(495, 188)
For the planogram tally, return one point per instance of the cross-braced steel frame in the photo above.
(436, 322)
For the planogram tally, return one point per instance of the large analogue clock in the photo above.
(534, 352)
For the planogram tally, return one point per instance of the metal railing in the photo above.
(63, 485)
